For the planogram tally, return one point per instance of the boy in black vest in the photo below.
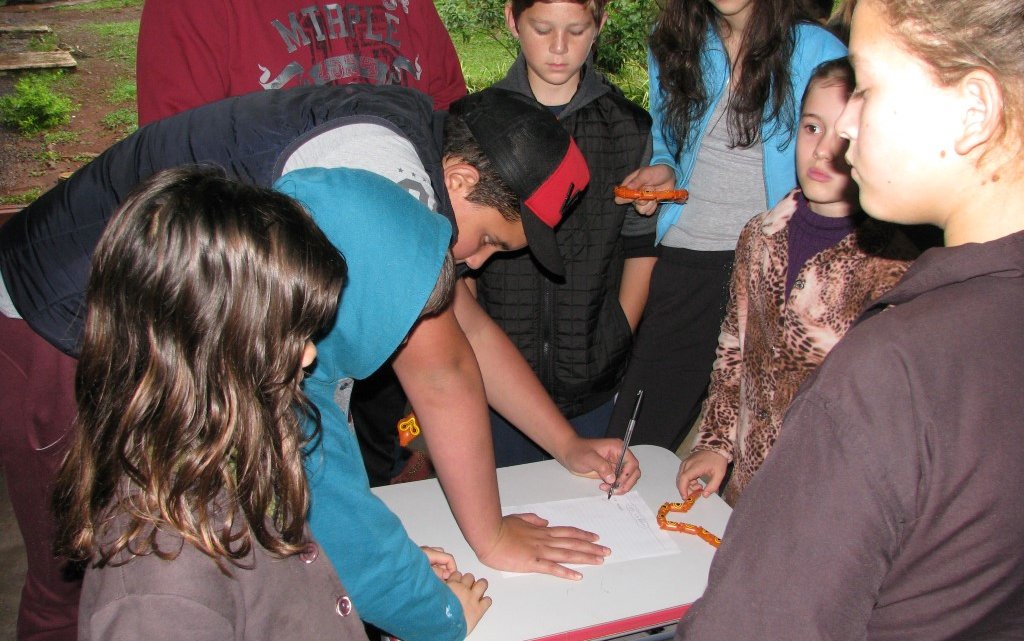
(575, 329)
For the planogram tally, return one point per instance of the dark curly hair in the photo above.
(679, 37)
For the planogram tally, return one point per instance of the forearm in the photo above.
(514, 391)
(635, 285)
(511, 386)
(447, 394)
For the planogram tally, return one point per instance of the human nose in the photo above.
(559, 42)
(849, 119)
(830, 147)
(477, 260)
(823, 148)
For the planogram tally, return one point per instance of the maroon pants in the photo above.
(37, 407)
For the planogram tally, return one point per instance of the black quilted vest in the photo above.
(574, 334)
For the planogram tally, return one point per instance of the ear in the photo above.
(982, 112)
(460, 178)
(308, 354)
(600, 25)
(510, 20)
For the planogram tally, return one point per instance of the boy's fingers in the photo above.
(479, 588)
(554, 569)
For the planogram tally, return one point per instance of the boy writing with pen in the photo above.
(625, 442)
(574, 327)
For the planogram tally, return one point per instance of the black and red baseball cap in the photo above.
(535, 156)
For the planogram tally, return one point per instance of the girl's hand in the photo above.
(698, 464)
(470, 593)
(654, 178)
(442, 563)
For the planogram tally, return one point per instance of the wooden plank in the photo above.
(19, 29)
(36, 60)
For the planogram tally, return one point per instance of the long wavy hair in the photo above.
(680, 36)
(202, 296)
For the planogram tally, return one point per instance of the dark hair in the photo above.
(829, 74)
(444, 290)
(596, 7)
(677, 42)
(956, 37)
(202, 297)
(820, 10)
(490, 190)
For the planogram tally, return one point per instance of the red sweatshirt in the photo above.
(192, 52)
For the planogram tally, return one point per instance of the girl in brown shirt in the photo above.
(184, 490)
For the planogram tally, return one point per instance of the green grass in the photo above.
(21, 199)
(485, 60)
(43, 42)
(124, 120)
(123, 90)
(59, 137)
(120, 39)
(47, 155)
(100, 5)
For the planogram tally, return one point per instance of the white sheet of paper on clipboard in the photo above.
(625, 524)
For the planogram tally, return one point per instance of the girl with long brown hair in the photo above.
(726, 77)
(184, 490)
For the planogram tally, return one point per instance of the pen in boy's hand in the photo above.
(625, 442)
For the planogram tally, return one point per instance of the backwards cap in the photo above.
(535, 156)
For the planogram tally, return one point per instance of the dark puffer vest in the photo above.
(46, 249)
(574, 333)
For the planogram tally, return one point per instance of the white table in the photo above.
(611, 600)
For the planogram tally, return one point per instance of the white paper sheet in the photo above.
(625, 524)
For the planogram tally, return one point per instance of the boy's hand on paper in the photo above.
(701, 463)
(653, 177)
(597, 457)
(527, 544)
(442, 563)
(470, 593)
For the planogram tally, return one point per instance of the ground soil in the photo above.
(27, 163)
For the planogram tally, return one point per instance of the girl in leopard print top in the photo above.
(803, 272)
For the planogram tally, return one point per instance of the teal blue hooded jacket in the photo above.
(394, 247)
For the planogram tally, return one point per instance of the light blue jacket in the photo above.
(394, 247)
(814, 45)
